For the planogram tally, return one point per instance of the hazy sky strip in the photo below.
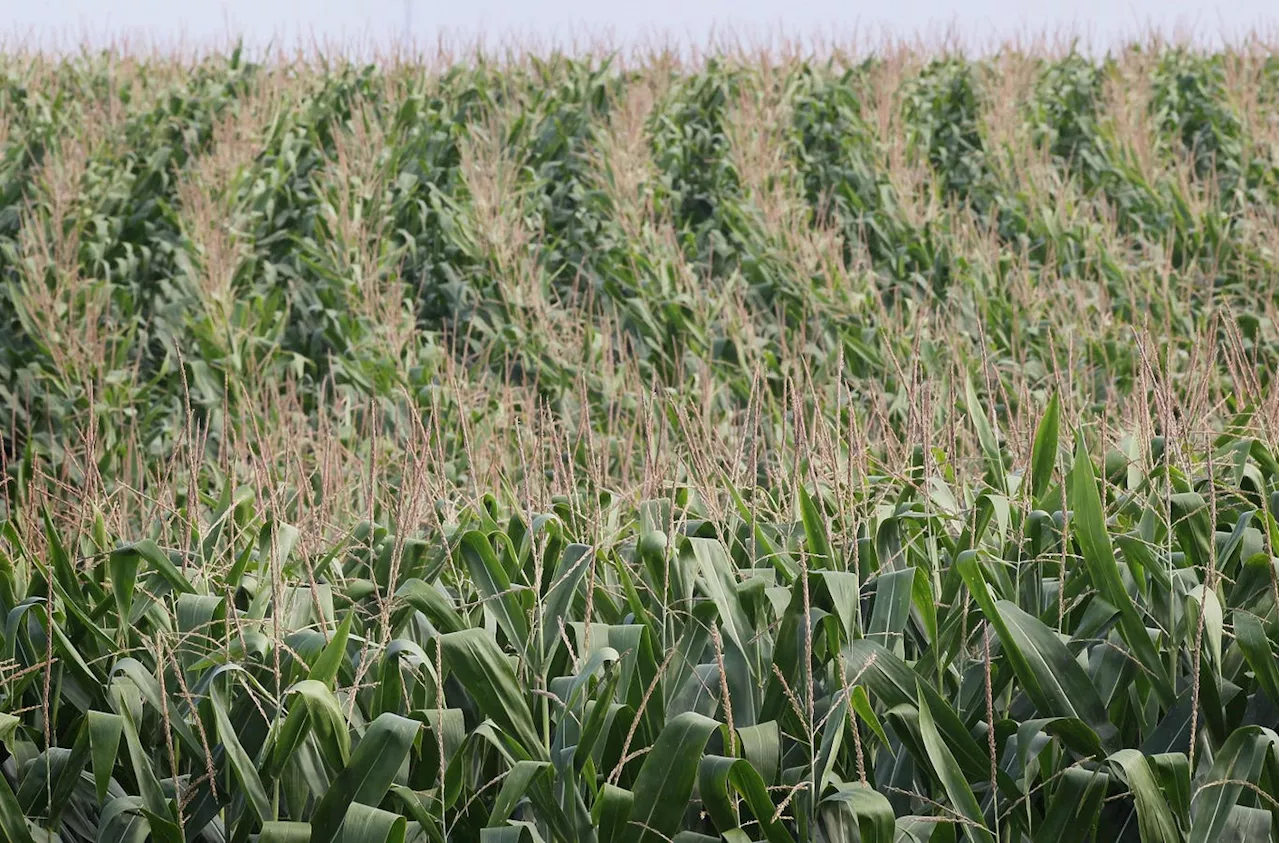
(375, 23)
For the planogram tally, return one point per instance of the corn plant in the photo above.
(579, 449)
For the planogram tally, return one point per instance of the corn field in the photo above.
(786, 447)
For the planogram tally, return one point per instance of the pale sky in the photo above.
(204, 22)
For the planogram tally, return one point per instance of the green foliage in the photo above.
(558, 451)
(335, 711)
(941, 109)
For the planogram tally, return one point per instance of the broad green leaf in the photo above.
(366, 779)
(1239, 760)
(1189, 514)
(419, 807)
(1196, 599)
(832, 738)
(861, 706)
(241, 765)
(105, 730)
(892, 606)
(1044, 450)
(953, 780)
(1173, 773)
(611, 813)
(574, 562)
(12, 821)
(495, 587)
(516, 832)
(1050, 676)
(448, 727)
(367, 824)
(665, 781)
(427, 599)
(326, 666)
(716, 573)
(1090, 530)
(1073, 806)
(474, 658)
(147, 550)
(159, 811)
(278, 831)
(146, 682)
(766, 549)
(986, 438)
(1073, 732)
(124, 578)
(857, 811)
(1257, 651)
(514, 788)
(1155, 821)
(894, 683)
(312, 707)
(761, 746)
(719, 778)
(815, 531)
(594, 723)
(1245, 825)
(123, 821)
(925, 603)
(843, 589)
